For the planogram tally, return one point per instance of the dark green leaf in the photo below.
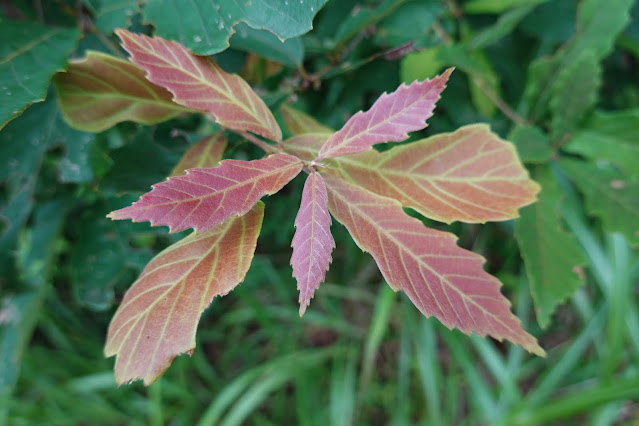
(29, 55)
(267, 45)
(204, 26)
(533, 145)
(610, 195)
(111, 14)
(552, 257)
(496, 6)
(504, 26)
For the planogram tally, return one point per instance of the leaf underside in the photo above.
(312, 242)
(440, 278)
(204, 198)
(470, 175)
(99, 91)
(158, 317)
(199, 83)
(390, 119)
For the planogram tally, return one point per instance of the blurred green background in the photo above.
(556, 77)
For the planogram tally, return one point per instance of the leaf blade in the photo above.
(470, 175)
(199, 83)
(207, 264)
(412, 258)
(206, 153)
(100, 90)
(204, 198)
(385, 121)
(312, 242)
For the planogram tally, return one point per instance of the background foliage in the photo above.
(556, 77)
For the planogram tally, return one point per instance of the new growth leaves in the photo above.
(470, 175)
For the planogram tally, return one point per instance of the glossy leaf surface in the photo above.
(440, 278)
(313, 242)
(100, 91)
(158, 317)
(204, 198)
(204, 26)
(205, 153)
(29, 55)
(470, 175)
(199, 83)
(551, 255)
(390, 119)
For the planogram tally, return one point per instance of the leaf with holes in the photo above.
(199, 83)
(440, 278)
(206, 153)
(390, 119)
(313, 242)
(204, 198)
(158, 317)
(470, 175)
(100, 91)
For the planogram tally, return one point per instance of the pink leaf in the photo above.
(199, 83)
(204, 198)
(439, 277)
(390, 119)
(313, 242)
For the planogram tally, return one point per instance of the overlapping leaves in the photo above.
(470, 175)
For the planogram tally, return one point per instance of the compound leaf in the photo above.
(29, 54)
(551, 255)
(470, 175)
(390, 119)
(313, 242)
(199, 83)
(204, 26)
(439, 277)
(100, 91)
(204, 198)
(610, 195)
(306, 146)
(204, 154)
(158, 317)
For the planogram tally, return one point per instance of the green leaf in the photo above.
(420, 65)
(204, 26)
(552, 257)
(264, 43)
(504, 26)
(533, 145)
(410, 22)
(610, 195)
(574, 93)
(111, 14)
(361, 17)
(29, 55)
(496, 6)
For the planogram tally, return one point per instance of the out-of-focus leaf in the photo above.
(204, 154)
(204, 198)
(496, 6)
(361, 17)
(306, 146)
(552, 257)
(390, 119)
(470, 175)
(610, 195)
(533, 145)
(420, 65)
(610, 137)
(111, 14)
(205, 26)
(199, 83)
(410, 22)
(29, 55)
(313, 242)
(440, 278)
(158, 317)
(100, 91)
(553, 21)
(14, 215)
(574, 92)
(505, 24)
(266, 44)
(299, 123)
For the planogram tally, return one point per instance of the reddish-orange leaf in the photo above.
(305, 146)
(100, 91)
(206, 153)
(300, 123)
(158, 317)
(439, 277)
(204, 198)
(390, 119)
(469, 175)
(313, 242)
(199, 83)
